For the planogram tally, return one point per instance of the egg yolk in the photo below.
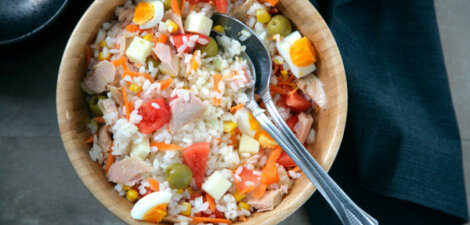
(144, 12)
(155, 214)
(302, 52)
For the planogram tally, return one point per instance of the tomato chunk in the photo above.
(292, 121)
(195, 157)
(246, 175)
(179, 39)
(221, 6)
(296, 102)
(285, 160)
(153, 118)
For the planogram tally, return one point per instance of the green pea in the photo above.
(93, 105)
(178, 175)
(210, 49)
(155, 62)
(279, 24)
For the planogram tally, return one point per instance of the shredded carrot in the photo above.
(217, 80)
(296, 169)
(164, 84)
(291, 78)
(175, 7)
(276, 89)
(162, 146)
(162, 39)
(211, 220)
(243, 218)
(90, 139)
(110, 159)
(182, 6)
(153, 184)
(132, 27)
(247, 189)
(292, 84)
(88, 55)
(276, 68)
(234, 139)
(99, 119)
(194, 61)
(272, 2)
(119, 62)
(126, 103)
(117, 46)
(269, 173)
(236, 107)
(211, 202)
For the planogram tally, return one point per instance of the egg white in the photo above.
(148, 202)
(159, 10)
(284, 50)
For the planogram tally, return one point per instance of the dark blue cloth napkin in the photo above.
(400, 159)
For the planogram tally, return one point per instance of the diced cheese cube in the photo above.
(284, 50)
(266, 142)
(248, 145)
(216, 185)
(139, 50)
(141, 149)
(198, 23)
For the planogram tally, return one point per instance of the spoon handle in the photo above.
(345, 208)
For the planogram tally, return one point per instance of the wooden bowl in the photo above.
(73, 113)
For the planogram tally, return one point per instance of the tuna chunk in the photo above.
(240, 11)
(167, 58)
(302, 128)
(116, 93)
(270, 200)
(125, 17)
(184, 111)
(128, 171)
(104, 139)
(109, 109)
(102, 74)
(313, 88)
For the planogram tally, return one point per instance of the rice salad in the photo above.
(168, 122)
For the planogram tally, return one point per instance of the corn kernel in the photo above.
(243, 205)
(284, 75)
(180, 190)
(238, 196)
(126, 188)
(172, 26)
(229, 126)
(132, 195)
(218, 28)
(190, 190)
(102, 56)
(103, 44)
(148, 37)
(135, 88)
(187, 211)
(263, 16)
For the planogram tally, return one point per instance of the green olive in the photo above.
(93, 104)
(279, 24)
(167, 4)
(155, 62)
(210, 49)
(178, 175)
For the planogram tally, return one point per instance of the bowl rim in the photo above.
(89, 180)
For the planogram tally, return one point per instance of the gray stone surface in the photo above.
(454, 22)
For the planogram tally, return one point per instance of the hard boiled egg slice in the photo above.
(152, 207)
(307, 65)
(148, 14)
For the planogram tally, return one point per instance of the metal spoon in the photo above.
(259, 61)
